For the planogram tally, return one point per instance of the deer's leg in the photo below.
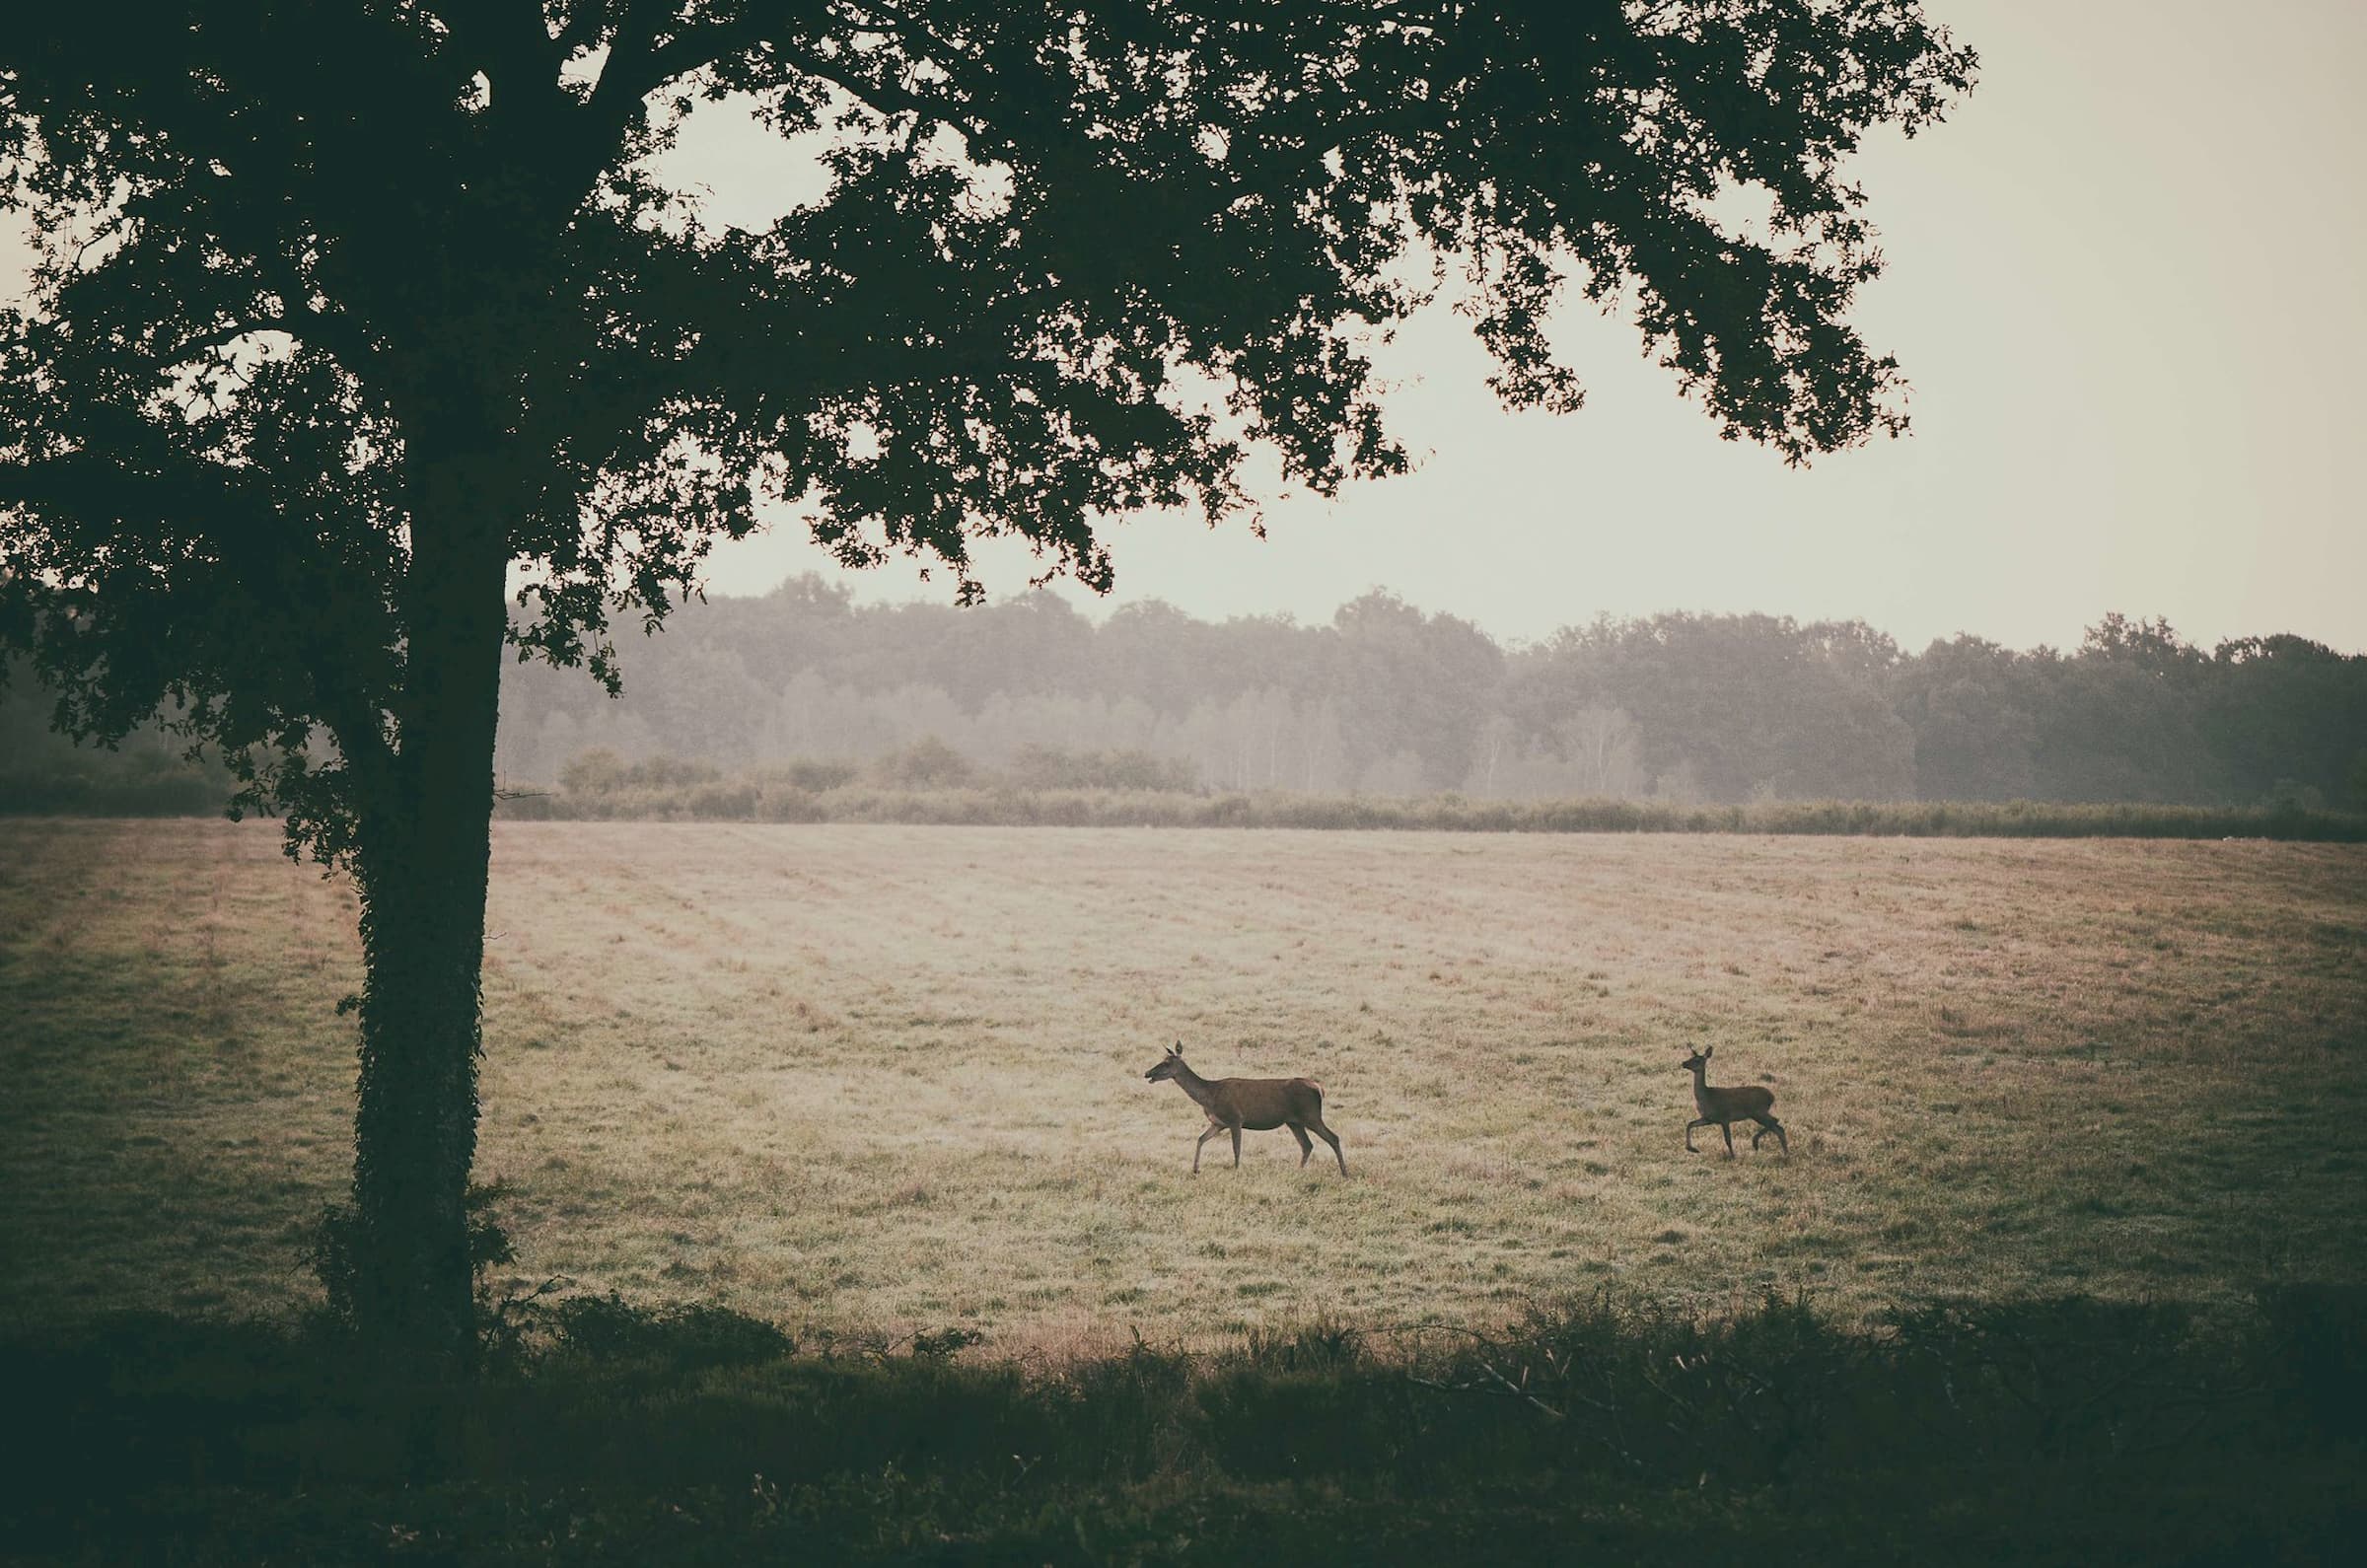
(1698, 1121)
(1306, 1149)
(1727, 1127)
(1768, 1124)
(1331, 1138)
(1237, 1146)
(1214, 1128)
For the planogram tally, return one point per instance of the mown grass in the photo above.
(873, 1081)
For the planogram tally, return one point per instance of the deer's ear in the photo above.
(1707, 1051)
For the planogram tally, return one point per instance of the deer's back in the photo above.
(1265, 1103)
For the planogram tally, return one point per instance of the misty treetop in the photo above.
(1386, 699)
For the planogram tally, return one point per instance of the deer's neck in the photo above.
(1198, 1088)
(1701, 1090)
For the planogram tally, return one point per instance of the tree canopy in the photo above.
(1072, 262)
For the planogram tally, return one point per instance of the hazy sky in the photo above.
(2125, 282)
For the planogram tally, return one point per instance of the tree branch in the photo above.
(508, 41)
(197, 343)
(630, 74)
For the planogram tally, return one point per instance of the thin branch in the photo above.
(197, 343)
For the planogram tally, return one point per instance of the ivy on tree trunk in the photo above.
(421, 863)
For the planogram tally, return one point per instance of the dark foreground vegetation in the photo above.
(2072, 1431)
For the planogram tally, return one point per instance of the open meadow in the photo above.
(876, 1080)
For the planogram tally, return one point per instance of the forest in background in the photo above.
(1383, 699)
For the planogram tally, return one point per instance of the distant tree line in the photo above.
(1383, 699)
(1386, 699)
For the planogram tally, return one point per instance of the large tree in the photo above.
(366, 341)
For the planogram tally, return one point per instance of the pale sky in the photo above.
(2123, 279)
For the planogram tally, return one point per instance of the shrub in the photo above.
(601, 771)
(927, 763)
(807, 774)
(1044, 768)
(735, 800)
(593, 772)
(684, 1337)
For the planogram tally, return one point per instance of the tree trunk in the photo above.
(425, 854)
(415, 1122)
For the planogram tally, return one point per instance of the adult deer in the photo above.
(1723, 1108)
(1259, 1104)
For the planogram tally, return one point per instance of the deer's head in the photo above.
(1699, 1060)
(1169, 1065)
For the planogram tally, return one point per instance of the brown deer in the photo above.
(1723, 1108)
(1259, 1104)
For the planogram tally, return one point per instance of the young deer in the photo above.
(1259, 1104)
(1723, 1108)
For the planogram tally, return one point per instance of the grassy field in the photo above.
(876, 1080)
